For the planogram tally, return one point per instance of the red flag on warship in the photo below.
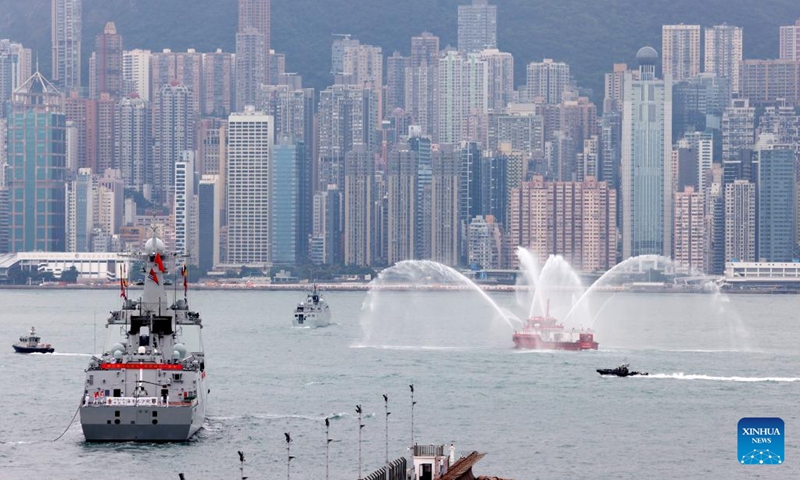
(185, 276)
(122, 283)
(159, 262)
(153, 276)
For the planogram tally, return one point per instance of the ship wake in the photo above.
(416, 348)
(711, 378)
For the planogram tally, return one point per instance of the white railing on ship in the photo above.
(132, 401)
(135, 402)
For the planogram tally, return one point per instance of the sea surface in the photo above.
(713, 359)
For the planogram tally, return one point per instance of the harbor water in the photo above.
(713, 359)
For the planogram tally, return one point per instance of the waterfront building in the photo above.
(209, 221)
(573, 219)
(248, 183)
(37, 168)
(485, 243)
(775, 189)
(689, 231)
(80, 203)
(646, 161)
(740, 221)
(287, 166)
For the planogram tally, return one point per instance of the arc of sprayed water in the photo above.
(625, 266)
(532, 273)
(600, 282)
(556, 269)
(429, 268)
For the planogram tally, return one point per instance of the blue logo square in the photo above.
(761, 441)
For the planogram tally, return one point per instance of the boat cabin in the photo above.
(31, 338)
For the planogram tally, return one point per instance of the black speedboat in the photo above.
(621, 371)
(30, 343)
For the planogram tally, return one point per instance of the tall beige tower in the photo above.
(723, 52)
(680, 51)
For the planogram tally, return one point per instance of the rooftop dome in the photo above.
(647, 56)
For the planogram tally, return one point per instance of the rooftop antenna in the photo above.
(289, 456)
(360, 427)
(327, 445)
(241, 465)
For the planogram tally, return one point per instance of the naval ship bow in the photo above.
(149, 385)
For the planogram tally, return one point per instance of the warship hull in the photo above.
(312, 320)
(142, 423)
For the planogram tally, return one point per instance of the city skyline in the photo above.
(353, 174)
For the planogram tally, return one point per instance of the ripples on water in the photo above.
(536, 414)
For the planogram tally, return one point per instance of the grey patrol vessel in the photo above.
(149, 385)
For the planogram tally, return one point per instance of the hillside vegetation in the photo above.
(590, 35)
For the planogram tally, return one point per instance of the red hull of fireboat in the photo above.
(534, 342)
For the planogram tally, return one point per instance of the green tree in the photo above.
(70, 275)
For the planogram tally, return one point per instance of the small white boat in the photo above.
(31, 343)
(314, 312)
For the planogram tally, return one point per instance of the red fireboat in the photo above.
(545, 333)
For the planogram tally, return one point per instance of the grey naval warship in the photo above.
(149, 385)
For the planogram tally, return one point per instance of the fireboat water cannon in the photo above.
(545, 333)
